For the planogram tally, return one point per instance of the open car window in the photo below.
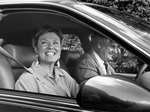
(18, 28)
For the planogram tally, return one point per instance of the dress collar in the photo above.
(43, 72)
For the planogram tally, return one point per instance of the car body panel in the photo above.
(24, 101)
(100, 92)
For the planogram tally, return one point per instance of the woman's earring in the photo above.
(36, 61)
(58, 63)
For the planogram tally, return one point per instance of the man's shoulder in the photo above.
(87, 57)
(87, 60)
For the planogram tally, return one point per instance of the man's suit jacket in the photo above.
(87, 66)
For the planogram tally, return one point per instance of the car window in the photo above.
(126, 62)
(18, 42)
(71, 42)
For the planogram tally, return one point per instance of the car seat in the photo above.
(23, 54)
(70, 58)
(10, 70)
(6, 75)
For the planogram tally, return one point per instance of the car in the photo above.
(19, 20)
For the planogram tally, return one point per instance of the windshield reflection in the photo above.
(122, 28)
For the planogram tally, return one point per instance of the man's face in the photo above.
(108, 50)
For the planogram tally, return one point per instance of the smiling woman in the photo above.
(47, 45)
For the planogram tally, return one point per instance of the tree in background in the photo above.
(126, 62)
(138, 8)
(72, 42)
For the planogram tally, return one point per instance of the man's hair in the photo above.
(97, 38)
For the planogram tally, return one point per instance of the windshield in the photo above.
(131, 29)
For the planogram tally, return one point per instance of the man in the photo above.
(94, 62)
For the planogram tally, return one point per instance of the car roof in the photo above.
(35, 1)
(10, 1)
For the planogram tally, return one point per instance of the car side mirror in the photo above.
(113, 93)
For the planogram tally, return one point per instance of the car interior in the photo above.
(17, 30)
(17, 27)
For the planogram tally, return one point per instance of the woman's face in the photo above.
(48, 48)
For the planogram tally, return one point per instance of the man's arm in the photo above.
(85, 70)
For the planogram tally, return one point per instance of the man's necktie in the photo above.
(106, 67)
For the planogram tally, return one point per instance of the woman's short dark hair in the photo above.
(46, 29)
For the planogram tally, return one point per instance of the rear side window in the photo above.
(71, 42)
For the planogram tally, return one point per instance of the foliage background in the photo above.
(138, 8)
(72, 42)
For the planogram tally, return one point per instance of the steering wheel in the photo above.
(141, 71)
